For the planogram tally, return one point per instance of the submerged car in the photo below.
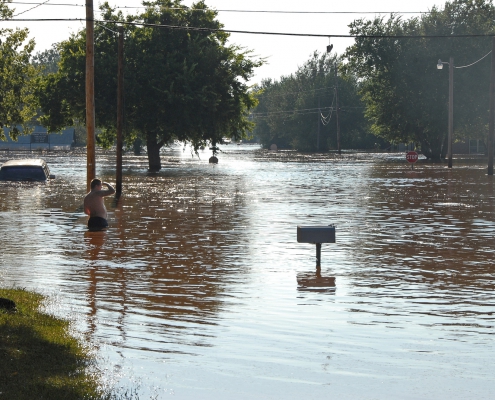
(33, 169)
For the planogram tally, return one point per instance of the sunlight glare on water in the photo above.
(199, 288)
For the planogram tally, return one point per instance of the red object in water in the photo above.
(412, 157)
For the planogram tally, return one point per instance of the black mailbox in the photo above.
(316, 235)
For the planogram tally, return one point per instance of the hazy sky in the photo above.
(283, 53)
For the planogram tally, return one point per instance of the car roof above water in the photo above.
(28, 169)
(28, 162)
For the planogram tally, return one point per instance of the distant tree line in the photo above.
(18, 105)
(389, 85)
(299, 111)
(185, 85)
(191, 85)
(406, 96)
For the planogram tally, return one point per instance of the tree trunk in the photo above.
(426, 150)
(444, 146)
(432, 151)
(437, 149)
(154, 161)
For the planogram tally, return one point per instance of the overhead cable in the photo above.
(108, 29)
(32, 8)
(51, 4)
(326, 120)
(266, 94)
(302, 110)
(288, 12)
(212, 30)
(486, 55)
(239, 11)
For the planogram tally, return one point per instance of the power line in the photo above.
(296, 111)
(51, 4)
(292, 113)
(303, 111)
(211, 30)
(289, 12)
(326, 120)
(486, 55)
(108, 29)
(239, 11)
(32, 8)
(266, 94)
(325, 12)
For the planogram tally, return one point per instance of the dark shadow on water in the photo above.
(315, 282)
(95, 239)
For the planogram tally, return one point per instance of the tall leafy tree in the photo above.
(299, 111)
(47, 60)
(17, 78)
(406, 96)
(181, 84)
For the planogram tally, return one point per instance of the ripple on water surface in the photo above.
(199, 287)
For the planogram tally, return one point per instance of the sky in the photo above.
(283, 54)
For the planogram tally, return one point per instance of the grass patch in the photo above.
(39, 359)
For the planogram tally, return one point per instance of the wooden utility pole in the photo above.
(491, 125)
(451, 109)
(337, 108)
(319, 124)
(120, 109)
(90, 94)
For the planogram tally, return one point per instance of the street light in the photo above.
(451, 103)
(329, 49)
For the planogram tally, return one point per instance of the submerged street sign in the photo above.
(39, 137)
(412, 157)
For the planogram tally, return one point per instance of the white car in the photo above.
(31, 169)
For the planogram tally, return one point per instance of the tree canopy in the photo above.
(299, 111)
(406, 96)
(17, 78)
(47, 60)
(181, 83)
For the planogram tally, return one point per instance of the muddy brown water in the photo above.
(200, 290)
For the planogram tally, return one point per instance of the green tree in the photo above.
(47, 60)
(185, 85)
(406, 96)
(17, 78)
(299, 110)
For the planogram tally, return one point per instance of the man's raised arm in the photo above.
(110, 190)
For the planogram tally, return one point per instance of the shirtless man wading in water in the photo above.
(94, 205)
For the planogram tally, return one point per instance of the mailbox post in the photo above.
(316, 235)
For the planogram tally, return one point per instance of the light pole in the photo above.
(451, 104)
(329, 49)
(491, 125)
(337, 108)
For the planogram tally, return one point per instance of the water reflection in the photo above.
(200, 274)
(94, 240)
(426, 228)
(161, 263)
(315, 282)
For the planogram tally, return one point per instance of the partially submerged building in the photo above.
(40, 139)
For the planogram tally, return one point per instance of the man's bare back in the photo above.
(94, 205)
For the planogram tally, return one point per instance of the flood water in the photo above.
(199, 289)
